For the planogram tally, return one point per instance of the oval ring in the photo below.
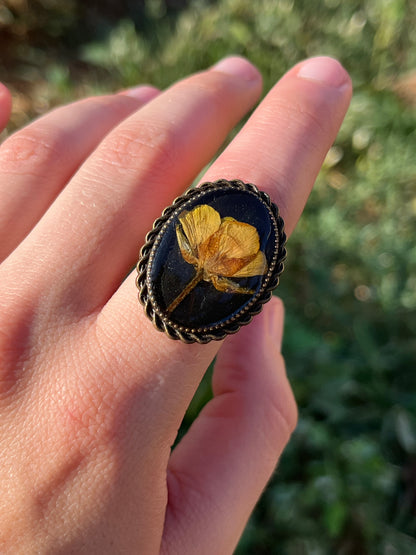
(211, 261)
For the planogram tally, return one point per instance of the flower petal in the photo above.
(231, 248)
(223, 266)
(189, 255)
(238, 239)
(257, 267)
(199, 224)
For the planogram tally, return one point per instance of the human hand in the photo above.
(91, 395)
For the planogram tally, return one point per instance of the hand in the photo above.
(91, 395)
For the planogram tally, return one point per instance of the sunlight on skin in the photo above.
(91, 395)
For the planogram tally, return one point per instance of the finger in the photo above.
(100, 220)
(218, 471)
(292, 111)
(292, 131)
(37, 162)
(5, 106)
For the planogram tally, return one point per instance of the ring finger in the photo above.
(280, 149)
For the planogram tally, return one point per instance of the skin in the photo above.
(91, 395)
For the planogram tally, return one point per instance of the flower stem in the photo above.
(187, 289)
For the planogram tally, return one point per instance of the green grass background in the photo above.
(347, 482)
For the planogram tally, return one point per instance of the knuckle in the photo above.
(127, 148)
(29, 150)
(315, 118)
(215, 95)
(110, 105)
(281, 414)
(312, 121)
(43, 143)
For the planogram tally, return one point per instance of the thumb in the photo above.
(220, 468)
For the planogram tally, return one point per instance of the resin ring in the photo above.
(211, 261)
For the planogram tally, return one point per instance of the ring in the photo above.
(211, 261)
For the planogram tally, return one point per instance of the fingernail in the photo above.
(324, 70)
(144, 93)
(238, 66)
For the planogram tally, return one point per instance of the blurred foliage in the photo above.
(347, 482)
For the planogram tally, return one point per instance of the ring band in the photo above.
(211, 261)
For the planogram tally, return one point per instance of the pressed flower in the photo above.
(219, 249)
(211, 261)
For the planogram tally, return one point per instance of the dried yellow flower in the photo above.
(218, 248)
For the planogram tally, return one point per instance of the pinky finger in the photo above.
(5, 106)
(218, 471)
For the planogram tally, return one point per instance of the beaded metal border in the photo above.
(242, 317)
